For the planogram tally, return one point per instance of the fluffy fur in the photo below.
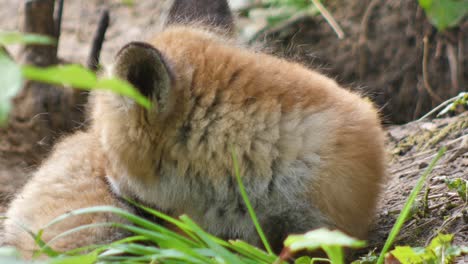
(311, 153)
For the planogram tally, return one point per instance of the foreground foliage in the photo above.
(153, 243)
(12, 75)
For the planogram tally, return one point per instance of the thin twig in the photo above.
(364, 28)
(453, 66)
(460, 55)
(58, 19)
(329, 18)
(98, 40)
(428, 87)
(365, 22)
(417, 109)
(451, 100)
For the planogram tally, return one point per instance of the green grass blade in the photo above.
(407, 207)
(36, 237)
(225, 254)
(148, 225)
(179, 224)
(252, 214)
(159, 235)
(335, 254)
(89, 258)
(252, 252)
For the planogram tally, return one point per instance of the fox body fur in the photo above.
(311, 154)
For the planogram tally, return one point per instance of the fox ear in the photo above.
(210, 12)
(144, 66)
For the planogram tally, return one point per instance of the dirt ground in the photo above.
(410, 147)
(382, 53)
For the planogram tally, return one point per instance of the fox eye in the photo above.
(145, 68)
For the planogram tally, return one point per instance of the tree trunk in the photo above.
(39, 19)
(42, 113)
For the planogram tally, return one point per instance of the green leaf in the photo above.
(11, 81)
(68, 75)
(407, 255)
(440, 250)
(332, 242)
(303, 260)
(319, 238)
(82, 259)
(124, 88)
(440, 247)
(79, 77)
(299, 4)
(9, 38)
(444, 14)
(458, 185)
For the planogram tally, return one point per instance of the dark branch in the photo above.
(39, 19)
(98, 40)
(58, 20)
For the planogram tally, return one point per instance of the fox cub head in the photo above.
(168, 70)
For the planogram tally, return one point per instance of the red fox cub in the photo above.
(311, 154)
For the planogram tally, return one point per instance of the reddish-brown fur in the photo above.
(311, 153)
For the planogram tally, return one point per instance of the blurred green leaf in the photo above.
(303, 260)
(444, 14)
(129, 3)
(82, 259)
(299, 4)
(440, 250)
(79, 77)
(11, 80)
(68, 75)
(10, 252)
(407, 254)
(321, 237)
(9, 38)
(124, 88)
(332, 242)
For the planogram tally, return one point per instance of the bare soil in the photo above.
(411, 148)
(395, 80)
(381, 54)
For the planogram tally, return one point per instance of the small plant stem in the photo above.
(407, 207)
(329, 18)
(312, 261)
(427, 85)
(98, 40)
(451, 100)
(249, 205)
